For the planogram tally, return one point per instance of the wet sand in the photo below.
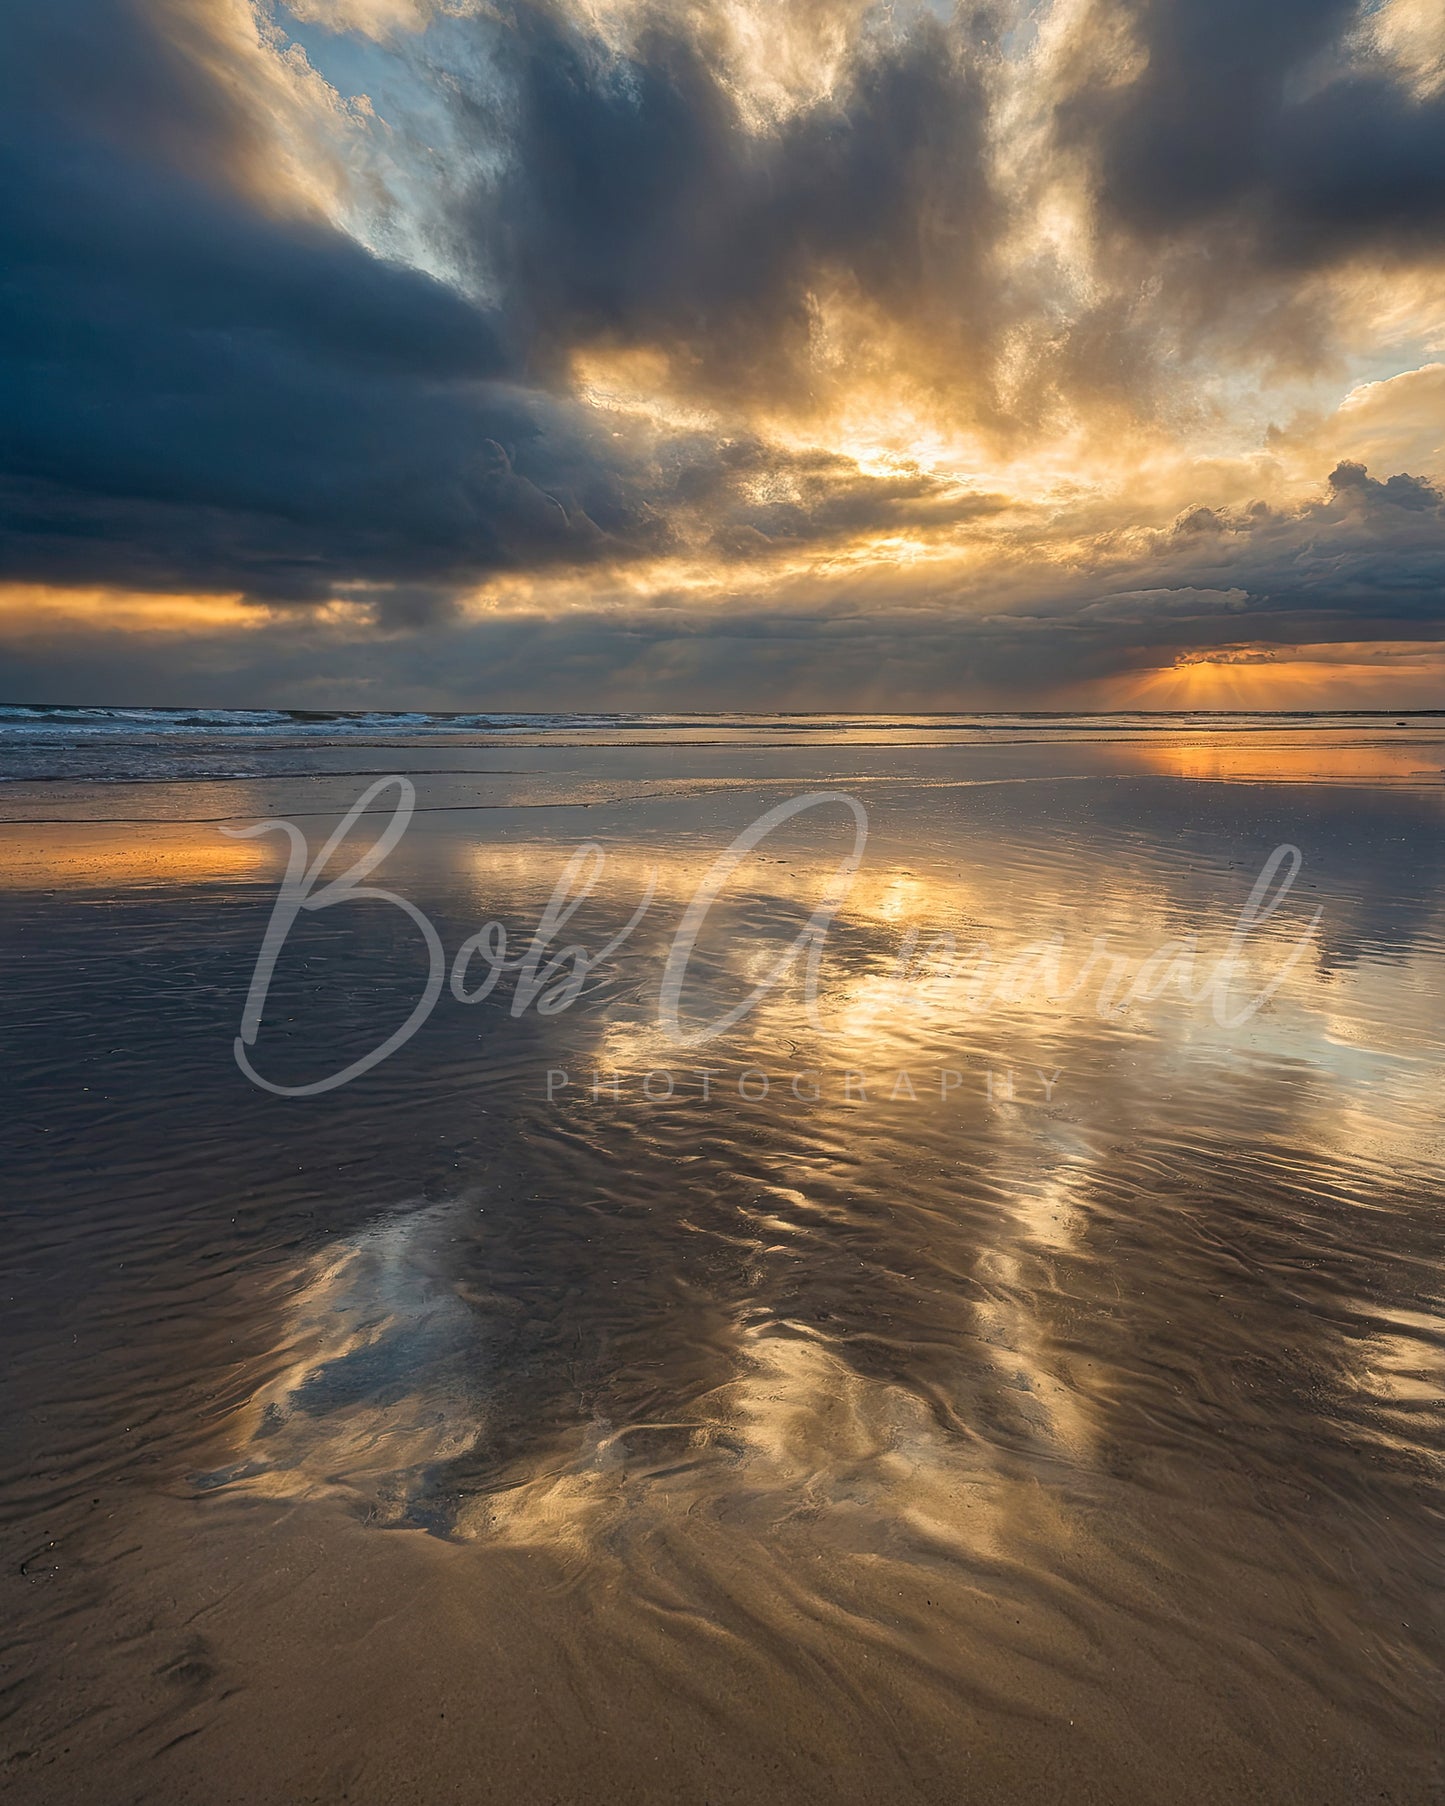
(1070, 1429)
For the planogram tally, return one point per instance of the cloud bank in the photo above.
(382, 351)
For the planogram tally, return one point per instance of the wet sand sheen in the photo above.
(438, 1439)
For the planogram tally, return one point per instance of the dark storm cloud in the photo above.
(201, 396)
(1247, 117)
(1363, 562)
(1367, 554)
(204, 395)
(637, 206)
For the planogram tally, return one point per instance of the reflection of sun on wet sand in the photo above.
(103, 855)
(1264, 759)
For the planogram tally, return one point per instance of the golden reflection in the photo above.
(1264, 759)
(99, 856)
(384, 1374)
(795, 1425)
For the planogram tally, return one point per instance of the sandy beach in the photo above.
(1019, 1383)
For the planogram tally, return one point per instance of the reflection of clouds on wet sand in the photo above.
(382, 1376)
(884, 1282)
(387, 1394)
(977, 1380)
(1105, 1408)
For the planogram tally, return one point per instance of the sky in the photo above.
(801, 354)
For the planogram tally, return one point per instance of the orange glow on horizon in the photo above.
(1390, 675)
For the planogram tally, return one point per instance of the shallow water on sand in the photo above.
(983, 1387)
